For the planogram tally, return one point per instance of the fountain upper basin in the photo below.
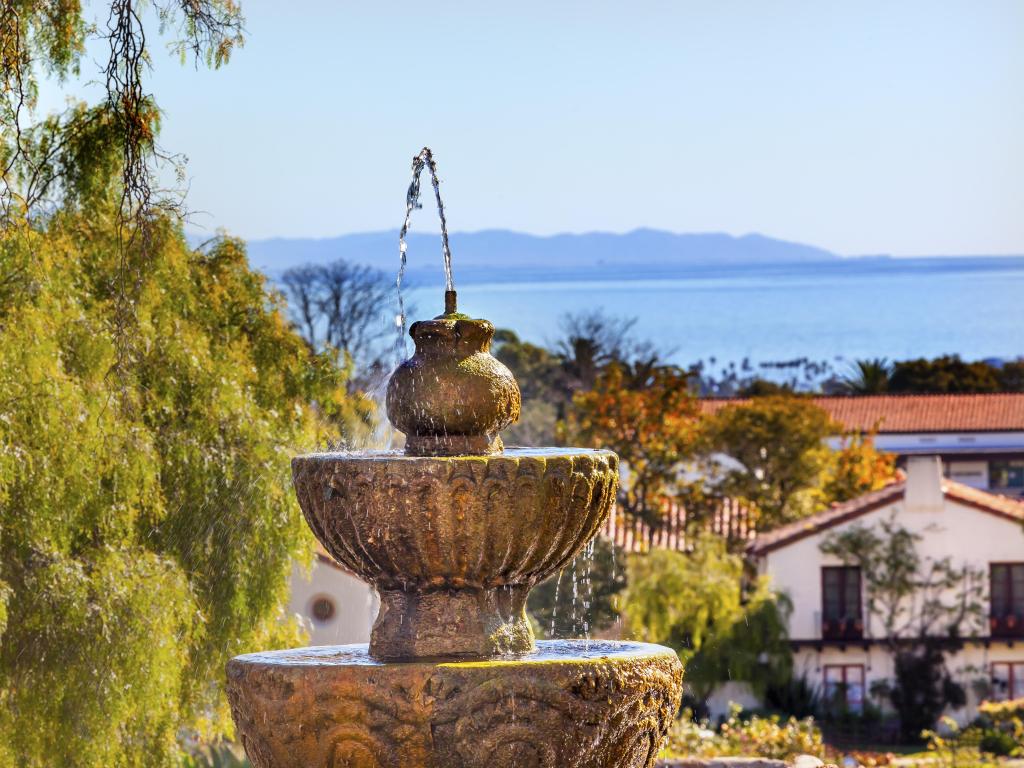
(454, 543)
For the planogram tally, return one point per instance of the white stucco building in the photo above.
(839, 647)
(335, 607)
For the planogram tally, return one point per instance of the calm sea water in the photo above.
(843, 311)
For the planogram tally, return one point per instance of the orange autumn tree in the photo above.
(857, 468)
(651, 419)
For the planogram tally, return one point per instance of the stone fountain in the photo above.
(453, 533)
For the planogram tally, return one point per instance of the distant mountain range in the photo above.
(497, 255)
(500, 254)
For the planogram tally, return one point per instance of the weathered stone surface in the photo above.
(454, 544)
(452, 397)
(572, 705)
(722, 762)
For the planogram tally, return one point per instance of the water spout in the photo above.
(425, 159)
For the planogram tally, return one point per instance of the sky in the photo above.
(867, 127)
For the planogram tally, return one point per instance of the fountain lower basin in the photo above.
(569, 704)
(454, 544)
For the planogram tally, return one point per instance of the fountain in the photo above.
(453, 533)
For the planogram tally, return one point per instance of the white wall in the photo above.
(355, 604)
(970, 667)
(963, 533)
(972, 473)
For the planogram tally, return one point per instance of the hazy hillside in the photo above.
(500, 253)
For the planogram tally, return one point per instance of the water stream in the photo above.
(425, 159)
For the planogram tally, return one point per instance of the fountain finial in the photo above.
(452, 397)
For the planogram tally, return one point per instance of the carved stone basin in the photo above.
(453, 544)
(571, 704)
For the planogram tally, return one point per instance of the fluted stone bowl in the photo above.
(571, 704)
(453, 544)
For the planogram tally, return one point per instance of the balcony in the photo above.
(1009, 627)
(842, 629)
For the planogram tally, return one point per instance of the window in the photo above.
(1006, 474)
(322, 609)
(844, 687)
(1007, 680)
(841, 617)
(1006, 618)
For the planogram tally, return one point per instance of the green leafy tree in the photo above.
(922, 608)
(544, 385)
(40, 38)
(147, 523)
(780, 462)
(947, 374)
(696, 603)
(1011, 376)
(779, 445)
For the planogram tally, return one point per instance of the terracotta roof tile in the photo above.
(850, 510)
(1002, 412)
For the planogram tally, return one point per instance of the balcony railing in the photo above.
(1006, 626)
(842, 629)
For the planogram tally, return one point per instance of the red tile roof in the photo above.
(850, 510)
(1003, 412)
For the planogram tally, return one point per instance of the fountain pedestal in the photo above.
(453, 534)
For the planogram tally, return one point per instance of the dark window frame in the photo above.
(1005, 620)
(856, 706)
(1014, 679)
(847, 625)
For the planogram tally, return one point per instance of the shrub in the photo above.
(997, 742)
(770, 737)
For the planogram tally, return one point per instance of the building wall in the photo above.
(965, 534)
(972, 473)
(355, 604)
(971, 667)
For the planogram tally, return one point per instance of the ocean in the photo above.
(834, 311)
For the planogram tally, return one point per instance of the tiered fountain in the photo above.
(453, 533)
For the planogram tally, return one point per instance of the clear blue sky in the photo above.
(863, 126)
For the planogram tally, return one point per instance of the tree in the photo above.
(46, 37)
(582, 598)
(778, 443)
(779, 460)
(696, 604)
(651, 423)
(1011, 376)
(345, 307)
(868, 377)
(591, 341)
(147, 525)
(856, 468)
(546, 394)
(947, 374)
(923, 607)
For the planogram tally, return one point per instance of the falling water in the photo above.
(425, 159)
(554, 609)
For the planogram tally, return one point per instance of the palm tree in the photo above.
(868, 377)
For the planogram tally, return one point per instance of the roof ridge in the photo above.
(1003, 506)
